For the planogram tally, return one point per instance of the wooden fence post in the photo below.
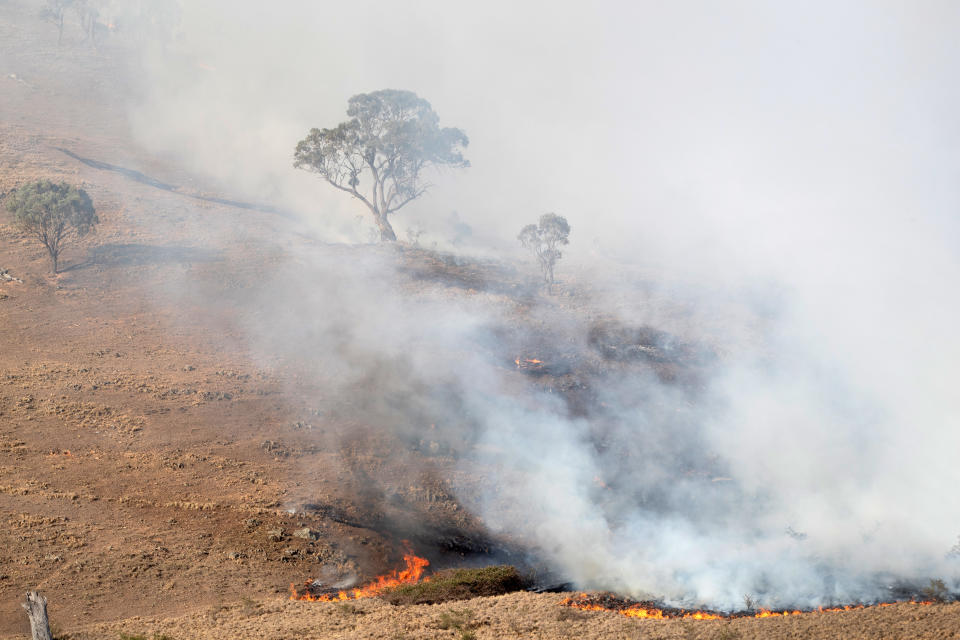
(36, 606)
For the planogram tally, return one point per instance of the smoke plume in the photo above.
(773, 189)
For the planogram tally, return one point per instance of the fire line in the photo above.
(412, 573)
(587, 603)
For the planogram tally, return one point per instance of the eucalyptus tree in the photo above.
(55, 213)
(544, 239)
(381, 154)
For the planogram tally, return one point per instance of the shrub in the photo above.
(455, 619)
(350, 609)
(459, 622)
(458, 584)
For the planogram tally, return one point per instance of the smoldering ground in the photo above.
(780, 185)
(622, 460)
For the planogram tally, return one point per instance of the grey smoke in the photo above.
(787, 175)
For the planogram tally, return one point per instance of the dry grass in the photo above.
(520, 615)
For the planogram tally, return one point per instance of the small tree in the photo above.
(391, 138)
(54, 12)
(543, 240)
(56, 214)
(88, 15)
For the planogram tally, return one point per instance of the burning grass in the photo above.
(458, 584)
(411, 574)
(650, 611)
(521, 615)
(410, 586)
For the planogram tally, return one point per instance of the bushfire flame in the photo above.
(527, 362)
(412, 573)
(586, 603)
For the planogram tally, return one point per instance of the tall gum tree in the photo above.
(380, 154)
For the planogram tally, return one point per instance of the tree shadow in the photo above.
(135, 255)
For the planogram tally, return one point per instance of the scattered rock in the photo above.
(5, 275)
(274, 447)
(306, 533)
(216, 395)
(275, 535)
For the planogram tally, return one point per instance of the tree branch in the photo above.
(416, 194)
(353, 192)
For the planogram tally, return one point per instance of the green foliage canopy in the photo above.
(56, 214)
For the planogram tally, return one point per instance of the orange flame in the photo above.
(583, 602)
(766, 613)
(703, 615)
(643, 613)
(412, 573)
(527, 362)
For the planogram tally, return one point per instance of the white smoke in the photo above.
(787, 176)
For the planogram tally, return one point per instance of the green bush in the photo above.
(458, 584)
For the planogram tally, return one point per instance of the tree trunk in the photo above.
(36, 606)
(386, 230)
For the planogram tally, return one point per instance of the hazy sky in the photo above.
(708, 132)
